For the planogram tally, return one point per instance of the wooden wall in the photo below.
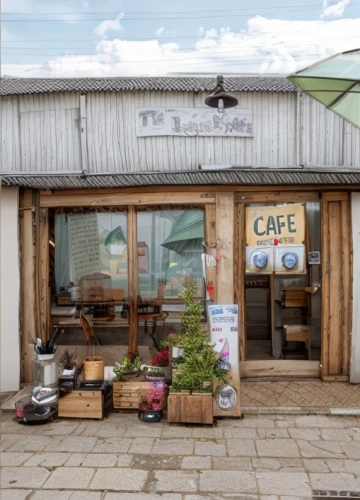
(64, 132)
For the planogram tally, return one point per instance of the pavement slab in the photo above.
(283, 483)
(23, 477)
(119, 479)
(228, 481)
(14, 494)
(70, 478)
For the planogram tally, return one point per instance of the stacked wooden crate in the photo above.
(127, 395)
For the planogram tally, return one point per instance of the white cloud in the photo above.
(85, 4)
(266, 46)
(160, 31)
(334, 10)
(109, 25)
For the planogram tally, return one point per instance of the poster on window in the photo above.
(84, 244)
(280, 225)
(142, 257)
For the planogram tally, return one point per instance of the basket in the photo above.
(93, 368)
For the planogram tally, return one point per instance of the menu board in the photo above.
(84, 244)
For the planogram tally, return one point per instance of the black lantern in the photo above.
(219, 98)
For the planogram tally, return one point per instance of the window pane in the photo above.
(169, 245)
(87, 243)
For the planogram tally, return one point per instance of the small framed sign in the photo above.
(314, 258)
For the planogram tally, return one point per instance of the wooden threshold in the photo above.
(280, 368)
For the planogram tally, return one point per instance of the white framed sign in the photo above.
(193, 122)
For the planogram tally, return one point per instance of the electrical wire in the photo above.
(124, 19)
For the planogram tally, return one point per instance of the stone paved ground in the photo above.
(265, 457)
(299, 393)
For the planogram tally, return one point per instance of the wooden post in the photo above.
(43, 271)
(336, 282)
(210, 238)
(133, 280)
(28, 302)
(239, 274)
(225, 230)
(225, 233)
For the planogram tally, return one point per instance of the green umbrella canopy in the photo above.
(335, 82)
(187, 233)
(115, 242)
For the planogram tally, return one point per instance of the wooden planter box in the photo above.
(126, 395)
(190, 408)
(82, 404)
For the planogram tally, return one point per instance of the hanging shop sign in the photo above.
(194, 122)
(281, 225)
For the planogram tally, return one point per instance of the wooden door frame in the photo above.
(264, 368)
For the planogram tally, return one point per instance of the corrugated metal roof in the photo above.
(18, 86)
(254, 177)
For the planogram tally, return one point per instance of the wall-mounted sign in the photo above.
(281, 225)
(193, 122)
(314, 258)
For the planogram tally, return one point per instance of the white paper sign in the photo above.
(194, 122)
(84, 244)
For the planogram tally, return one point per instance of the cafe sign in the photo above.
(280, 225)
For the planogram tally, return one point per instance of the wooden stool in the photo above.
(298, 333)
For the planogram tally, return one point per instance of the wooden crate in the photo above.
(190, 408)
(126, 395)
(296, 298)
(81, 404)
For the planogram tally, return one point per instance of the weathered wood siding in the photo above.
(41, 133)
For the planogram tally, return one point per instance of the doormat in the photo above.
(335, 495)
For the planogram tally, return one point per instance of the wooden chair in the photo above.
(151, 311)
(90, 337)
(298, 333)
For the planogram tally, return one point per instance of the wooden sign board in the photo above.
(284, 223)
(193, 122)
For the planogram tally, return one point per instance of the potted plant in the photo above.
(152, 403)
(128, 388)
(129, 368)
(195, 366)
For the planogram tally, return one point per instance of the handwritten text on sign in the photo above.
(193, 122)
(285, 223)
(84, 244)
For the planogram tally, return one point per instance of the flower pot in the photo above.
(150, 416)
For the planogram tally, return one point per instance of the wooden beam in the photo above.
(346, 246)
(44, 305)
(280, 368)
(277, 197)
(245, 190)
(126, 199)
(239, 275)
(336, 286)
(336, 290)
(336, 196)
(325, 291)
(225, 233)
(133, 280)
(225, 230)
(210, 238)
(28, 304)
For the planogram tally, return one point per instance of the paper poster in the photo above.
(84, 244)
(286, 224)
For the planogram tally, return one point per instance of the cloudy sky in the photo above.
(70, 38)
